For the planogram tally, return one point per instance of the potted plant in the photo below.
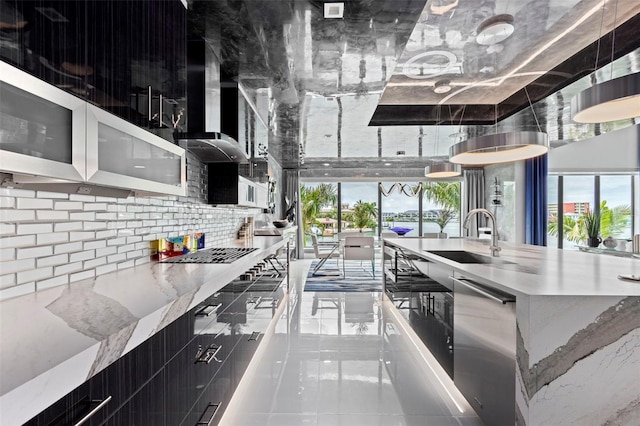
(591, 222)
(443, 218)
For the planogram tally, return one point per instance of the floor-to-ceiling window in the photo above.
(359, 207)
(571, 196)
(441, 208)
(399, 209)
(319, 206)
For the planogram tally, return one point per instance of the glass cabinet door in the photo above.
(123, 155)
(42, 128)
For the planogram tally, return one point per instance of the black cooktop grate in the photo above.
(213, 255)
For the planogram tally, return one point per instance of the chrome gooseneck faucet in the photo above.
(495, 249)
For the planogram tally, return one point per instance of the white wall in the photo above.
(614, 152)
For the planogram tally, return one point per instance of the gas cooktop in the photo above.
(213, 255)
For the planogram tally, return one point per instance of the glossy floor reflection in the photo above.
(343, 359)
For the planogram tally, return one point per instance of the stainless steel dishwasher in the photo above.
(485, 350)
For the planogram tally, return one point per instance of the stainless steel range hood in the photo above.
(212, 147)
(212, 116)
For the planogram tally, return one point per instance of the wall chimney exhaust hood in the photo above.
(212, 109)
(212, 147)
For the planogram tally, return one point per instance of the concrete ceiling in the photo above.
(357, 92)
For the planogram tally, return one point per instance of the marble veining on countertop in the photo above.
(54, 340)
(533, 270)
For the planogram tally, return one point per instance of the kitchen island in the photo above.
(56, 339)
(577, 326)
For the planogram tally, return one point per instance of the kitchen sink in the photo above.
(461, 256)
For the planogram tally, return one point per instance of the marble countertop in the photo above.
(55, 339)
(533, 270)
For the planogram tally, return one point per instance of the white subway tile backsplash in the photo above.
(8, 253)
(126, 232)
(116, 241)
(84, 275)
(81, 236)
(33, 252)
(100, 199)
(135, 239)
(52, 282)
(56, 195)
(8, 280)
(7, 228)
(115, 258)
(116, 208)
(18, 290)
(34, 228)
(109, 233)
(13, 192)
(91, 264)
(126, 216)
(68, 268)
(9, 215)
(7, 202)
(94, 226)
(127, 264)
(82, 216)
(106, 251)
(51, 215)
(95, 207)
(67, 226)
(126, 248)
(82, 197)
(142, 260)
(97, 244)
(67, 248)
(67, 205)
(18, 241)
(56, 260)
(106, 216)
(105, 269)
(134, 254)
(134, 209)
(83, 255)
(34, 274)
(34, 203)
(52, 238)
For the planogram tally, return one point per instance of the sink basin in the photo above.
(461, 256)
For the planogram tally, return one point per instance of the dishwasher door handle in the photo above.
(498, 297)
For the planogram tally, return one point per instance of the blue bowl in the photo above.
(401, 231)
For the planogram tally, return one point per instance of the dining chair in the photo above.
(358, 248)
(440, 235)
(323, 255)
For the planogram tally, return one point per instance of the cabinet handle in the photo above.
(149, 105)
(207, 310)
(92, 412)
(207, 355)
(160, 118)
(207, 416)
(478, 401)
(498, 297)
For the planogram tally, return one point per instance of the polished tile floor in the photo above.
(343, 359)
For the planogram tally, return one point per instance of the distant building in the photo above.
(577, 208)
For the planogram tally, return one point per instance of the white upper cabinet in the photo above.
(47, 132)
(42, 128)
(123, 155)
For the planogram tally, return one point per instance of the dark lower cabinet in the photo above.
(186, 373)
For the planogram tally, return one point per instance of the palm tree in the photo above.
(364, 214)
(612, 222)
(447, 195)
(313, 199)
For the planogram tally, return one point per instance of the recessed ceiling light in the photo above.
(333, 10)
(442, 86)
(495, 29)
(387, 164)
(326, 174)
(326, 164)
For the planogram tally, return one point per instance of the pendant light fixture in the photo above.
(444, 169)
(501, 147)
(612, 100)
